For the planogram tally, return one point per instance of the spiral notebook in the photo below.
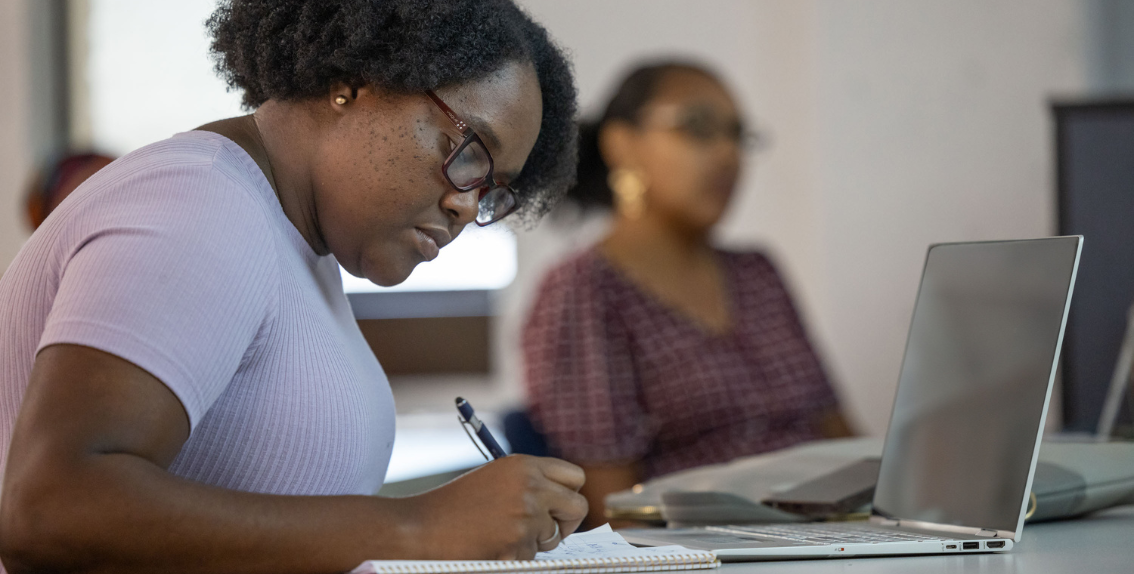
(598, 551)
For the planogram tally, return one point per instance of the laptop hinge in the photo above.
(885, 521)
(946, 528)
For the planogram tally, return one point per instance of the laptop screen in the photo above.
(974, 381)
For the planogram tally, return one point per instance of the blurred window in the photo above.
(146, 74)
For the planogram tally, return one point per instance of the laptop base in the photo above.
(740, 543)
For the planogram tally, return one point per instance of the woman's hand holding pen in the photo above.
(507, 509)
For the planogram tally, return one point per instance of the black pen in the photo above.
(469, 416)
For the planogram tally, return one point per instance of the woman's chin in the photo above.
(389, 279)
(387, 274)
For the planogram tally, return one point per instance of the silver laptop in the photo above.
(965, 431)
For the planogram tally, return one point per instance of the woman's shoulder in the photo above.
(581, 276)
(757, 283)
(189, 156)
(192, 148)
(174, 192)
(578, 268)
(749, 261)
(193, 172)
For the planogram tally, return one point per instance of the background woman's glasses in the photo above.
(705, 125)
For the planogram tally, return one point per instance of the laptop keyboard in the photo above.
(832, 533)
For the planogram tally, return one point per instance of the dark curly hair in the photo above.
(297, 49)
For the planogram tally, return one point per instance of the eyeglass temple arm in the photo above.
(453, 117)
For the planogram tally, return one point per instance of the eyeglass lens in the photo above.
(471, 168)
(494, 204)
(704, 125)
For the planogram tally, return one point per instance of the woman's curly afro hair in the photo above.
(297, 49)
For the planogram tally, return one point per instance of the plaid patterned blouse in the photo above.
(615, 375)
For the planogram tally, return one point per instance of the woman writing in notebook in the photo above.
(654, 351)
(182, 385)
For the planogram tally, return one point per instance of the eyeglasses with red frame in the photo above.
(469, 167)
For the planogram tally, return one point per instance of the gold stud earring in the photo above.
(629, 187)
(340, 100)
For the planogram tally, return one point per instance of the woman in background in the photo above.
(654, 351)
(56, 181)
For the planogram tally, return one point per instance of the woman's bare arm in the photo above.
(86, 490)
(832, 424)
(604, 479)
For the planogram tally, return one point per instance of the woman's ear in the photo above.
(341, 96)
(616, 144)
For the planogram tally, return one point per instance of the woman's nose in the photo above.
(462, 206)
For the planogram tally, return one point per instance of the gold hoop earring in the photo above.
(629, 187)
(340, 100)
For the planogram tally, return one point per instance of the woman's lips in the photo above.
(426, 245)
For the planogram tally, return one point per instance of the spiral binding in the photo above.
(657, 563)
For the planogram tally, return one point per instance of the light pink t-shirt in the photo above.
(179, 259)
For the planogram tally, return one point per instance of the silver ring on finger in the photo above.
(552, 538)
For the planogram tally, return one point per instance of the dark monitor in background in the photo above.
(1095, 179)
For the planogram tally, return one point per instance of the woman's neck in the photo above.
(676, 265)
(269, 137)
(651, 241)
(286, 130)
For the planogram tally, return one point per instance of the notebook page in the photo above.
(602, 542)
(600, 549)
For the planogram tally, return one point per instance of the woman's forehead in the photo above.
(505, 108)
(509, 97)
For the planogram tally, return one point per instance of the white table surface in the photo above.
(1100, 543)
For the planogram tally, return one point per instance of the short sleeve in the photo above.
(582, 389)
(173, 270)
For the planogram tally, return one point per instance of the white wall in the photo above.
(15, 140)
(934, 128)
